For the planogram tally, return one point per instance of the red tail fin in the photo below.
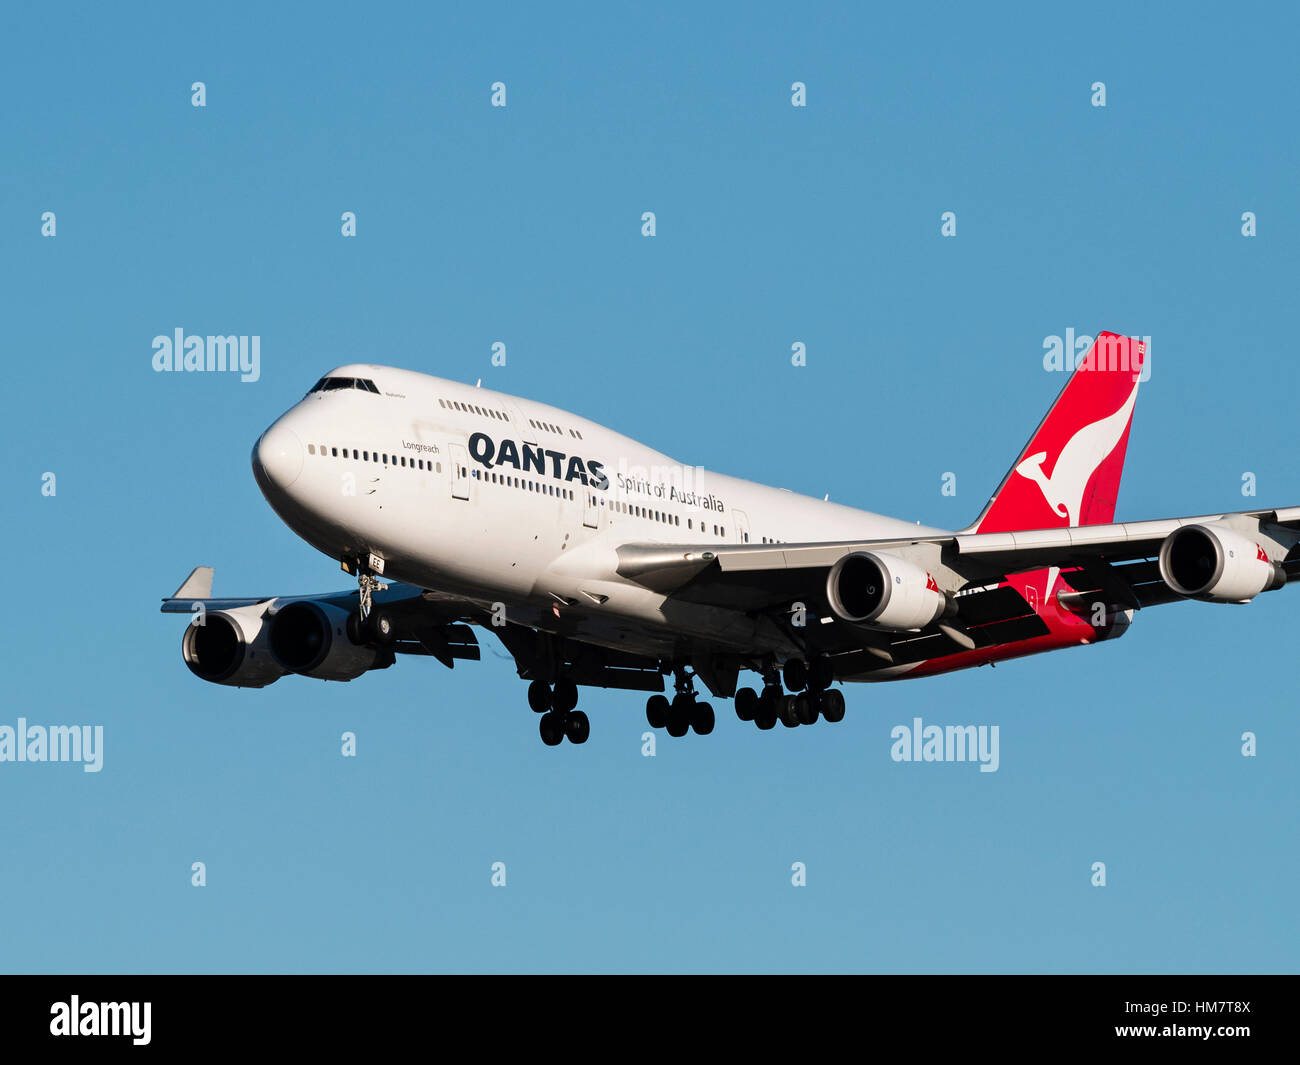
(1068, 473)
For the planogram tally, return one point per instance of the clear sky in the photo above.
(522, 224)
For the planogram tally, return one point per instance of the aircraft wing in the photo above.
(415, 621)
(423, 623)
(1118, 558)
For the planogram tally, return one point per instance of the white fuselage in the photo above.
(500, 500)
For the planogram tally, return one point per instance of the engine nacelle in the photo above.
(1114, 622)
(883, 590)
(231, 647)
(313, 639)
(1218, 564)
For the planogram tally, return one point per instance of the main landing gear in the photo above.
(811, 696)
(560, 716)
(684, 712)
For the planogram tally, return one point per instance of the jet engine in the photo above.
(313, 639)
(230, 647)
(1218, 564)
(885, 591)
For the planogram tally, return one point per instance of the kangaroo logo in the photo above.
(1078, 461)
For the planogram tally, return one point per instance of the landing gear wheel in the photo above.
(805, 708)
(702, 719)
(355, 628)
(565, 697)
(785, 708)
(746, 704)
(679, 718)
(820, 674)
(833, 705)
(551, 727)
(656, 711)
(765, 720)
(796, 675)
(539, 697)
(577, 727)
(765, 713)
(381, 626)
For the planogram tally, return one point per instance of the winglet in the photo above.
(198, 585)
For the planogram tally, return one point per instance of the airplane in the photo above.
(598, 561)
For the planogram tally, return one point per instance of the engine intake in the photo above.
(230, 647)
(867, 588)
(1217, 564)
(313, 639)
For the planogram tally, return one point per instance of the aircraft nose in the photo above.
(277, 457)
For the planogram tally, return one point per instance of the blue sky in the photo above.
(522, 225)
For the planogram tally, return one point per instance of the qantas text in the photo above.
(535, 458)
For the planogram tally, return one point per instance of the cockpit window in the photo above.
(330, 384)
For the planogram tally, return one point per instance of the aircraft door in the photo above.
(459, 472)
(741, 521)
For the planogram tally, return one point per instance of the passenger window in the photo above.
(311, 449)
